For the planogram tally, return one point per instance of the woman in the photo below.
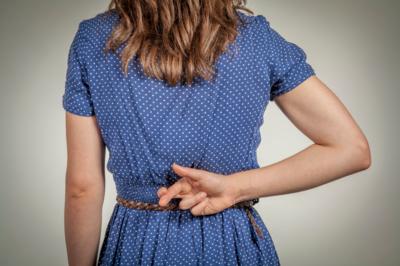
(176, 92)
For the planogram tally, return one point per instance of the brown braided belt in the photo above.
(173, 207)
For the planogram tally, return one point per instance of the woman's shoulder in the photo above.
(256, 24)
(97, 28)
(101, 21)
(246, 18)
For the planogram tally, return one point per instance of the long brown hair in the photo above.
(175, 40)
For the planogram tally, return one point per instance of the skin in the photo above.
(84, 194)
(339, 149)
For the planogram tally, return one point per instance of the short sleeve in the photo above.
(77, 97)
(286, 60)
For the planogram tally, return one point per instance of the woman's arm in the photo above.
(84, 194)
(339, 149)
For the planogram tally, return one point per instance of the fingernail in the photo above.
(177, 165)
(162, 202)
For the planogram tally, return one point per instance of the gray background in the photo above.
(353, 46)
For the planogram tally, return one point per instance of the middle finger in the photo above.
(179, 187)
(189, 201)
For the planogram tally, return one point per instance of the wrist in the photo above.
(241, 186)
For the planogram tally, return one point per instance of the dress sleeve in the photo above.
(286, 60)
(77, 98)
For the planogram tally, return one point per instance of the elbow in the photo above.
(361, 154)
(84, 195)
(78, 192)
(365, 155)
(78, 189)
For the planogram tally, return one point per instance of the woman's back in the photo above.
(147, 125)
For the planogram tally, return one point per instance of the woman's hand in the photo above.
(200, 191)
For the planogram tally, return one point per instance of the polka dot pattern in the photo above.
(147, 125)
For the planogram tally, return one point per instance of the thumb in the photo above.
(192, 173)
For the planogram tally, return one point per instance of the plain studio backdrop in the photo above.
(353, 47)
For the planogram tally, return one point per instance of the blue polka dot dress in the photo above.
(213, 125)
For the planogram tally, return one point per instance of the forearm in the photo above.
(311, 167)
(83, 226)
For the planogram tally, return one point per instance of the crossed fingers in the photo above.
(181, 189)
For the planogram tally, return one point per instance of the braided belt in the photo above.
(173, 207)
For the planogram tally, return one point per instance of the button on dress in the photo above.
(147, 125)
